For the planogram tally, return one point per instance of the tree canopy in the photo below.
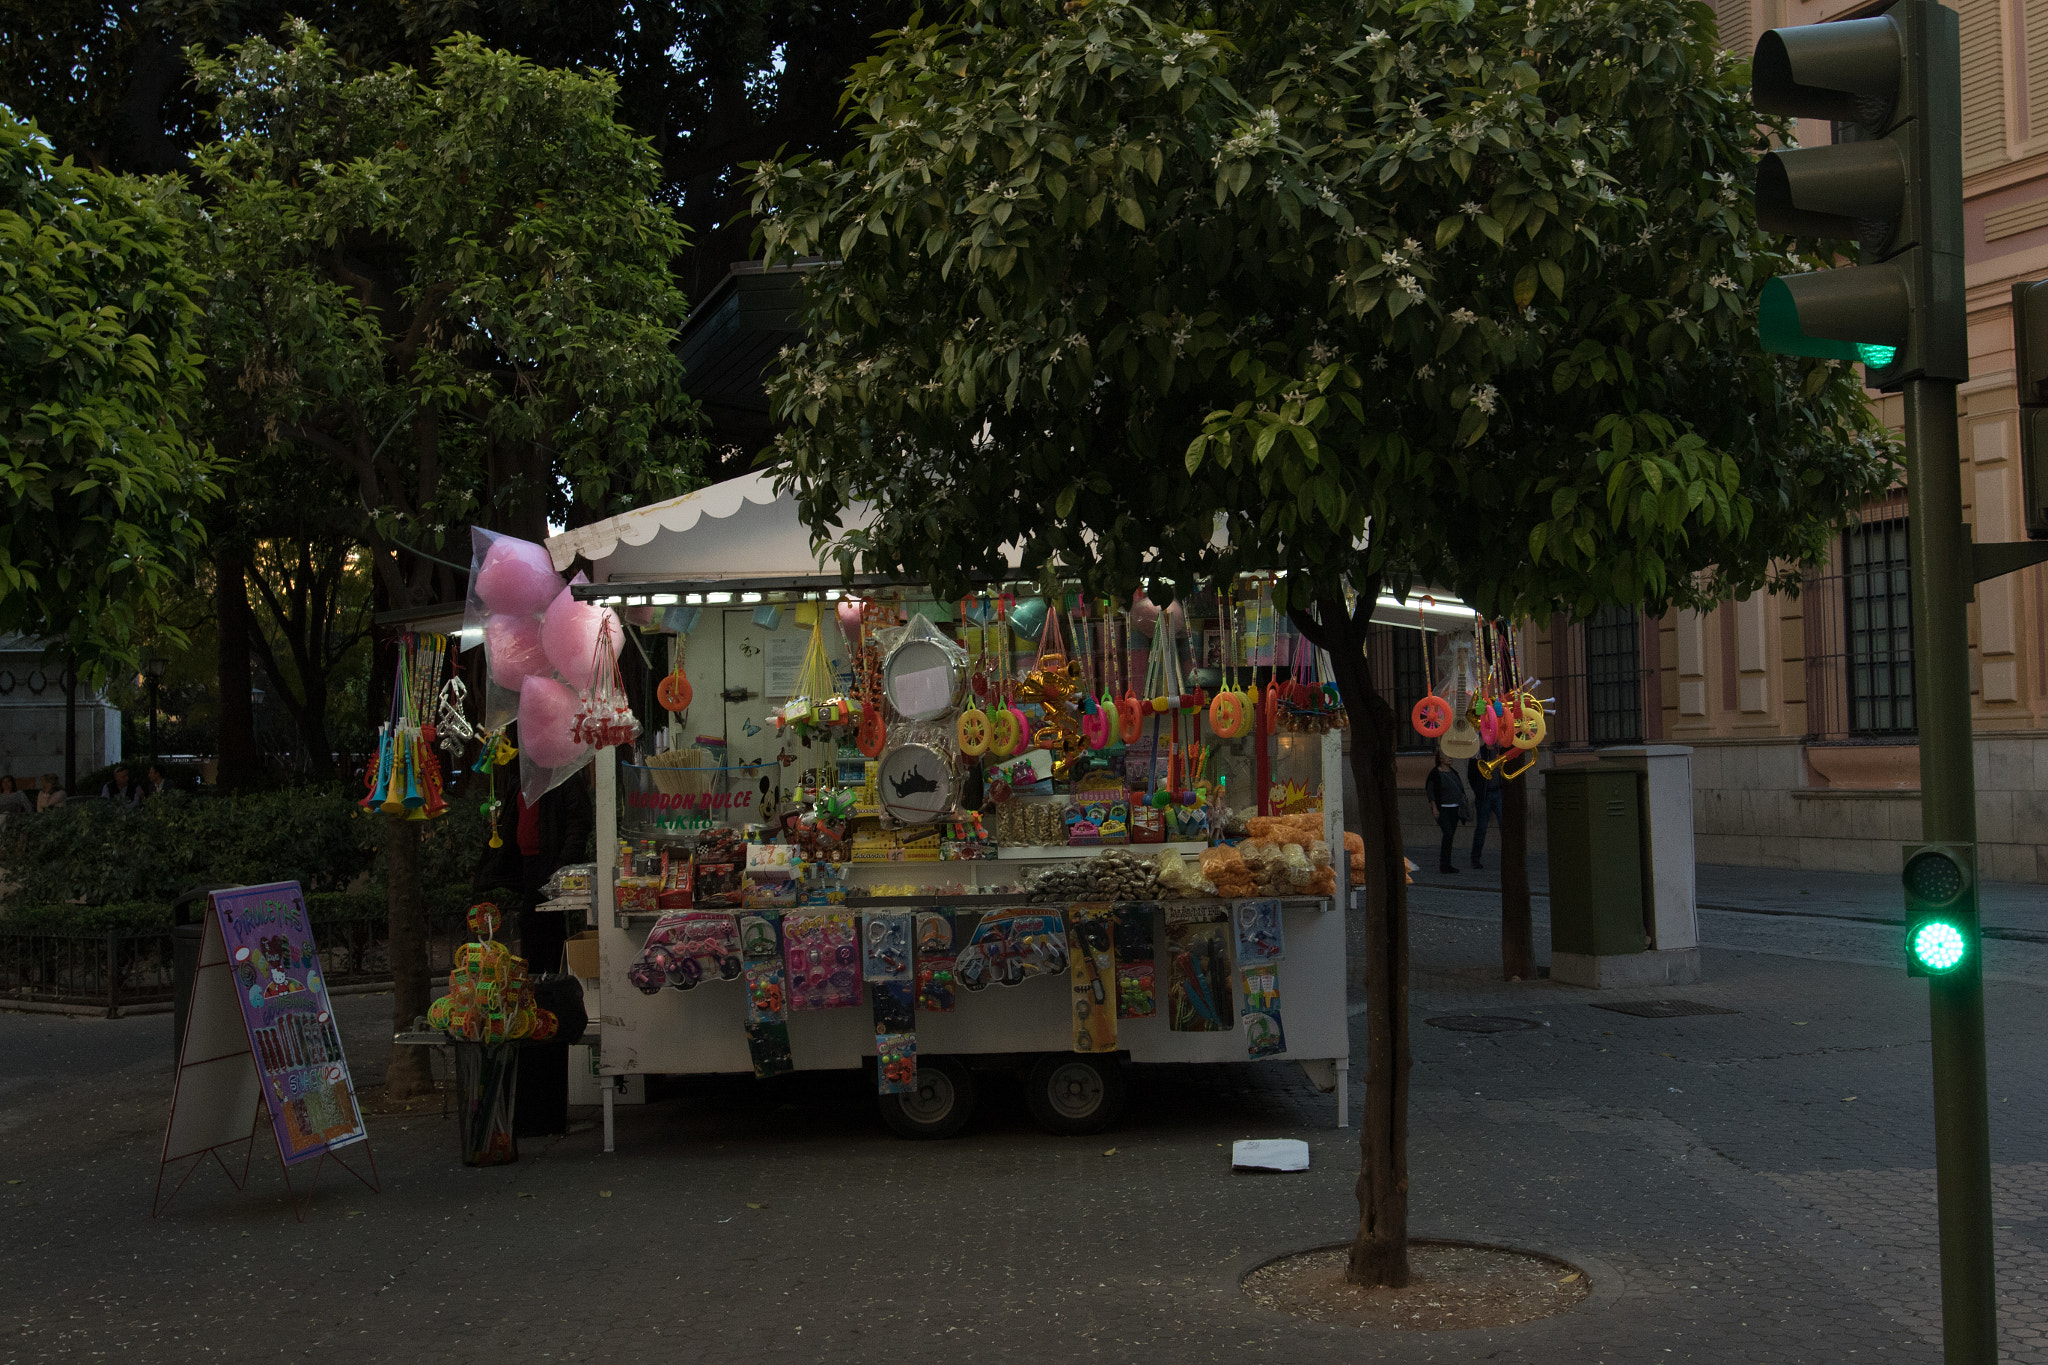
(1454, 291)
(712, 83)
(99, 376)
(1457, 292)
(453, 295)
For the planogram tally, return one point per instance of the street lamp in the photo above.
(153, 668)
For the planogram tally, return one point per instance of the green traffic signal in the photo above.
(1937, 946)
(1890, 181)
(1941, 921)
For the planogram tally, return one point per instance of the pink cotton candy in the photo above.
(512, 643)
(547, 715)
(516, 578)
(569, 633)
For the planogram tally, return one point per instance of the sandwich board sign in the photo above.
(260, 1026)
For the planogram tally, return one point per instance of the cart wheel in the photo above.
(938, 1108)
(1072, 1096)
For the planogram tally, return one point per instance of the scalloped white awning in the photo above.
(600, 540)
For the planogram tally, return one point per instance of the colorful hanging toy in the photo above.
(675, 692)
(407, 777)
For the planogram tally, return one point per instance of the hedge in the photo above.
(150, 917)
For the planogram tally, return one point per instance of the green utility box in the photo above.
(1596, 860)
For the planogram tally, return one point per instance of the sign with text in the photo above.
(290, 1022)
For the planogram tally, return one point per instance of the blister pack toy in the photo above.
(1010, 946)
(1257, 926)
(1092, 975)
(1197, 971)
(1263, 1034)
(823, 958)
(767, 993)
(895, 1063)
(886, 948)
(686, 947)
(937, 958)
(1136, 988)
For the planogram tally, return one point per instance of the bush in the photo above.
(103, 853)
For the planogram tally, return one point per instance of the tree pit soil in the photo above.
(1450, 1288)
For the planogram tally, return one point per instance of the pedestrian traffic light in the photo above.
(1941, 907)
(2030, 363)
(1892, 181)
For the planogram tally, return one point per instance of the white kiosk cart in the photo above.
(736, 552)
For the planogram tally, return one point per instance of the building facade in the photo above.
(1800, 710)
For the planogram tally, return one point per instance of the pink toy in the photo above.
(569, 634)
(516, 579)
(547, 720)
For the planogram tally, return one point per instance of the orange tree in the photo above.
(1450, 292)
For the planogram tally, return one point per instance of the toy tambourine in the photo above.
(917, 784)
(922, 678)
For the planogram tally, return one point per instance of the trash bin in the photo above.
(188, 931)
(486, 1092)
(1596, 861)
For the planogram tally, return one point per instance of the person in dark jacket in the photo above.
(555, 830)
(1446, 796)
(1486, 798)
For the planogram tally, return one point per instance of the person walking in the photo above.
(1446, 796)
(1487, 794)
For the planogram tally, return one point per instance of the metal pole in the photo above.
(1943, 584)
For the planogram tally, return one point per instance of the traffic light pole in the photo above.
(1943, 584)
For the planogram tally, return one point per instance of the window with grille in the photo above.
(1614, 693)
(1878, 577)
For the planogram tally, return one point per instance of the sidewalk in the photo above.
(1753, 1185)
(1873, 897)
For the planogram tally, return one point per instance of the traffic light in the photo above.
(1892, 181)
(2030, 363)
(1941, 907)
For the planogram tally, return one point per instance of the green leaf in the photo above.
(1553, 277)
(1525, 286)
(1063, 506)
(1127, 208)
(1447, 232)
(1193, 460)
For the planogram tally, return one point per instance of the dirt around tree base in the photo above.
(1449, 1288)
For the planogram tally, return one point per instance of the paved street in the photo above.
(1752, 1186)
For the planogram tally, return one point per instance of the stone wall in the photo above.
(1764, 804)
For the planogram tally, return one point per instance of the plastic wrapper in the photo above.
(1224, 868)
(1180, 879)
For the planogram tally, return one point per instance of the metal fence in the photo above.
(117, 968)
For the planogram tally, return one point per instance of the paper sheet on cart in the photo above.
(1269, 1154)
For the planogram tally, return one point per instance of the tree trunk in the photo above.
(1379, 1254)
(409, 1074)
(70, 723)
(237, 766)
(1517, 939)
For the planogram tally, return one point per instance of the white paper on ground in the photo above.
(1269, 1154)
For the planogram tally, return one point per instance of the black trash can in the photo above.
(188, 930)
(543, 1108)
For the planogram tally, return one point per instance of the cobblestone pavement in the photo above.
(1753, 1186)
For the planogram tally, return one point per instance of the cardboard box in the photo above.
(580, 953)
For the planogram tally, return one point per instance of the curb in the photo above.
(165, 1006)
(1603, 1283)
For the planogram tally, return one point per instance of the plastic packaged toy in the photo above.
(823, 957)
(1092, 977)
(1011, 945)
